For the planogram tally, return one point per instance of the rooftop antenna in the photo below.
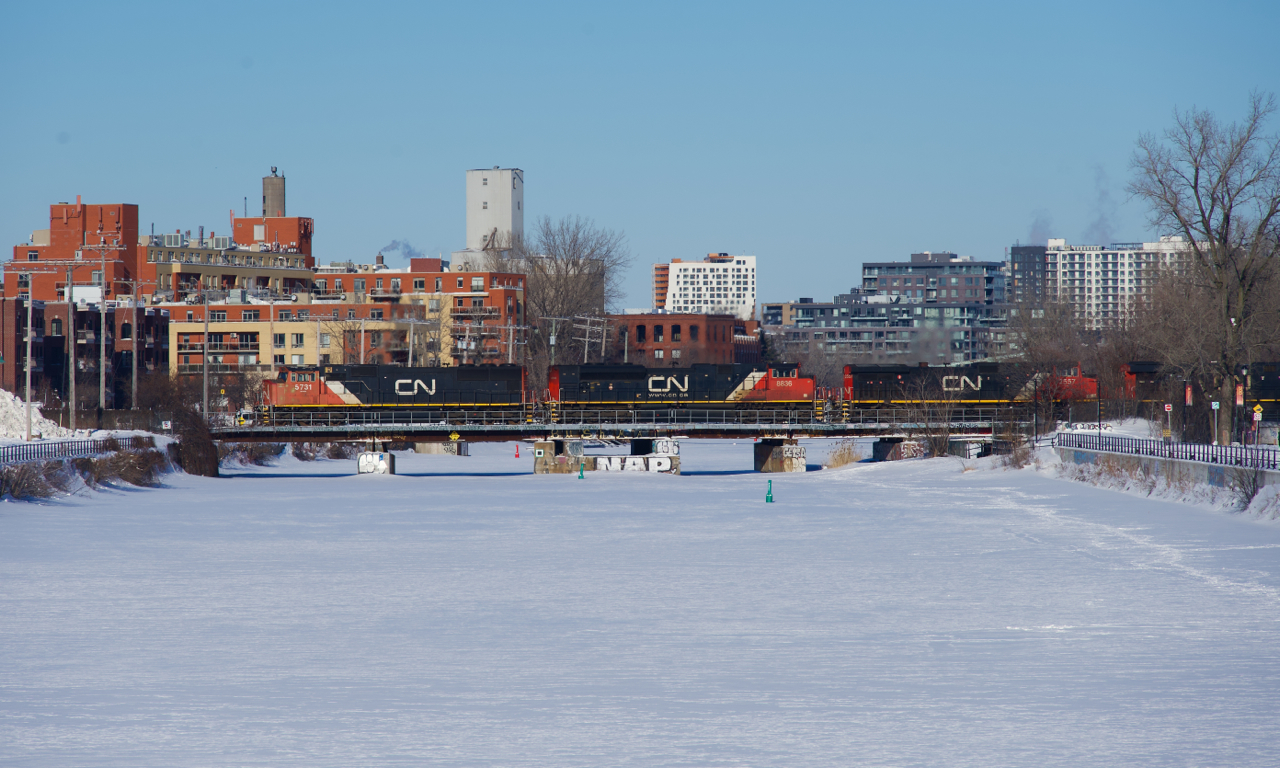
(246, 206)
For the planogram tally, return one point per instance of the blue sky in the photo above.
(815, 136)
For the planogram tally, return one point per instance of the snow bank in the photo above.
(13, 420)
(1141, 428)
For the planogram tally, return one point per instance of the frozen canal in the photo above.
(466, 613)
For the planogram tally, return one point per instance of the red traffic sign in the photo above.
(1168, 406)
(1257, 417)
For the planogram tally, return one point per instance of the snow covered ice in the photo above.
(467, 613)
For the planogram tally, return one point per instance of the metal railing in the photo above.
(1225, 455)
(57, 449)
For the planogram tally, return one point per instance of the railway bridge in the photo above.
(423, 425)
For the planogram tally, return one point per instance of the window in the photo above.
(675, 334)
(433, 305)
(657, 354)
(419, 284)
(297, 340)
(395, 285)
(277, 341)
(351, 314)
(377, 284)
(251, 315)
(438, 282)
(484, 181)
(657, 334)
(33, 255)
(126, 329)
(693, 333)
(675, 354)
(278, 359)
(57, 327)
(95, 276)
(639, 334)
(477, 284)
(484, 206)
(375, 314)
(324, 340)
(286, 315)
(296, 359)
(190, 316)
(375, 338)
(337, 285)
(477, 302)
(323, 285)
(218, 316)
(324, 359)
(459, 283)
(303, 314)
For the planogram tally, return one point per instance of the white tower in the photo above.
(495, 205)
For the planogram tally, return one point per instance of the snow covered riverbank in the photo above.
(465, 612)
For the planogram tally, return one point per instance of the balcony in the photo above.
(197, 347)
(222, 368)
(475, 312)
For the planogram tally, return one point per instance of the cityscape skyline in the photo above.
(797, 141)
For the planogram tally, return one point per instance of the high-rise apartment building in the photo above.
(1102, 284)
(1026, 274)
(720, 283)
(940, 279)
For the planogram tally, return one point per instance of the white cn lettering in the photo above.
(964, 381)
(411, 386)
(666, 383)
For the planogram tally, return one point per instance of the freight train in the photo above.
(705, 386)
(498, 387)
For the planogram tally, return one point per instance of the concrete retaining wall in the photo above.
(1216, 475)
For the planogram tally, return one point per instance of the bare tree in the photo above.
(1218, 185)
(572, 268)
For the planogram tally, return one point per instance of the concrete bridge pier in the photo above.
(778, 454)
(564, 457)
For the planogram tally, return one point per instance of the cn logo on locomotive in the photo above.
(666, 383)
(413, 385)
(949, 386)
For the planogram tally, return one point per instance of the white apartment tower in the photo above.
(1102, 284)
(719, 284)
(495, 205)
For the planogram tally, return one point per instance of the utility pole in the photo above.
(588, 328)
(362, 341)
(554, 322)
(71, 340)
(204, 368)
(134, 285)
(271, 330)
(101, 247)
(30, 304)
(102, 341)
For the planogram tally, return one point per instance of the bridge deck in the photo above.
(479, 426)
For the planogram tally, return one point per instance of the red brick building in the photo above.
(685, 339)
(78, 238)
(59, 326)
